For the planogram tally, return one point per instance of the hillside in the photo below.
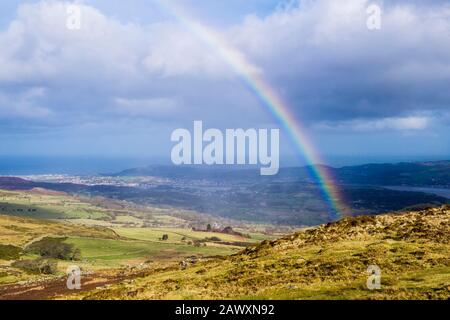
(328, 262)
(42, 232)
(433, 173)
(19, 231)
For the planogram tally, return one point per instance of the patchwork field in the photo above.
(120, 253)
(176, 235)
(16, 233)
(100, 238)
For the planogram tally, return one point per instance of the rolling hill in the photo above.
(327, 262)
(433, 173)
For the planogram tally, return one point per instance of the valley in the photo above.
(326, 262)
(105, 235)
(293, 197)
(214, 234)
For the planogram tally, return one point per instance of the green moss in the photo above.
(9, 252)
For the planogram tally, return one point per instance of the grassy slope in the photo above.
(103, 244)
(100, 247)
(47, 206)
(176, 234)
(19, 231)
(328, 262)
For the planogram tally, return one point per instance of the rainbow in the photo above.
(268, 96)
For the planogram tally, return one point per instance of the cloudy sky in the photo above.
(134, 72)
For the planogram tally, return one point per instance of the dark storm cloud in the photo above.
(331, 67)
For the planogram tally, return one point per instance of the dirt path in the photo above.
(44, 290)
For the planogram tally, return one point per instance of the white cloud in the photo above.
(156, 107)
(401, 124)
(38, 43)
(24, 105)
(178, 52)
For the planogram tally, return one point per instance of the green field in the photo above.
(177, 234)
(116, 253)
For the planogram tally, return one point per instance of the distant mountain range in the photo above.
(411, 174)
(435, 173)
(291, 197)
